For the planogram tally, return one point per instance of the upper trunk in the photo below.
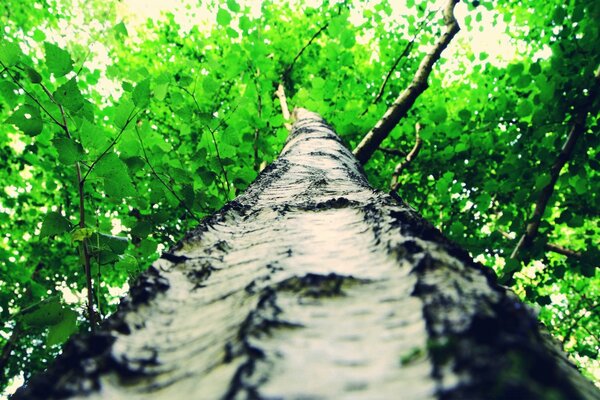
(314, 285)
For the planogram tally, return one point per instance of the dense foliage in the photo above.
(120, 137)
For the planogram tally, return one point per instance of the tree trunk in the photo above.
(313, 285)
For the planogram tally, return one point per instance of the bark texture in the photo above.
(313, 285)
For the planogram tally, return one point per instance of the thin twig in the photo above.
(256, 130)
(402, 55)
(392, 152)
(212, 134)
(578, 127)
(32, 97)
(555, 248)
(130, 118)
(577, 320)
(407, 98)
(169, 188)
(289, 68)
(81, 192)
(409, 159)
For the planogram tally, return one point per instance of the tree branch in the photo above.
(288, 70)
(409, 159)
(87, 264)
(285, 111)
(169, 188)
(407, 98)
(555, 248)
(402, 55)
(392, 152)
(577, 129)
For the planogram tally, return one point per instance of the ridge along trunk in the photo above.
(313, 285)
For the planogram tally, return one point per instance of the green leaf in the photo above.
(28, 119)
(93, 138)
(54, 224)
(81, 234)
(541, 181)
(33, 75)
(69, 152)
(69, 96)
(524, 109)
(141, 93)
(535, 69)
(348, 40)
(48, 313)
(10, 53)
(103, 241)
(58, 61)
(60, 332)
(120, 29)
(123, 112)
(223, 17)
(9, 91)
(438, 115)
(117, 182)
(233, 6)
(39, 35)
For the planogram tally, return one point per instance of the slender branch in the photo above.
(169, 188)
(392, 152)
(16, 332)
(577, 320)
(256, 130)
(562, 250)
(289, 68)
(130, 118)
(578, 127)
(32, 97)
(402, 55)
(280, 92)
(407, 98)
(409, 159)
(555, 248)
(84, 245)
(212, 134)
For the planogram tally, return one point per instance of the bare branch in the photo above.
(562, 250)
(407, 98)
(392, 152)
(555, 248)
(409, 159)
(578, 127)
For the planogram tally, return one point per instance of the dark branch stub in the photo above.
(314, 285)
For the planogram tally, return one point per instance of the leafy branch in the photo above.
(407, 98)
(409, 159)
(31, 96)
(578, 127)
(168, 187)
(214, 140)
(113, 142)
(84, 244)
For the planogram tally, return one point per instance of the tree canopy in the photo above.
(119, 136)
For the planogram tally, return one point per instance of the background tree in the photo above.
(167, 122)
